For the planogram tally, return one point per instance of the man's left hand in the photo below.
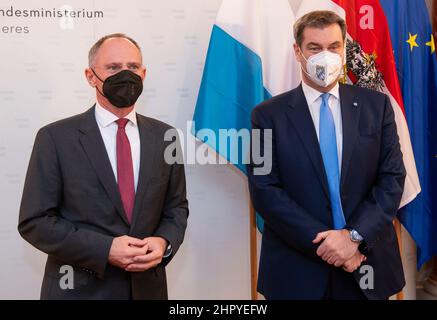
(152, 258)
(337, 247)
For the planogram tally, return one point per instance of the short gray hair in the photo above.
(317, 19)
(96, 46)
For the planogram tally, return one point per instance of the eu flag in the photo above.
(414, 50)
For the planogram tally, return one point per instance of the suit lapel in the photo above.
(94, 147)
(350, 114)
(300, 116)
(147, 156)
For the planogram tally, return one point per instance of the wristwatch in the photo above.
(168, 251)
(355, 236)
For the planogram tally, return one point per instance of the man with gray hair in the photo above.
(99, 197)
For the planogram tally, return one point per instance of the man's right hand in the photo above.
(354, 263)
(124, 249)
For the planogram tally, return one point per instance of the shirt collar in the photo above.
(312, 94)
(105, 117)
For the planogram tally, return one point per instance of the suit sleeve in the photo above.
(40, 222)
(280, 212)
(378, 210)
(175, 212)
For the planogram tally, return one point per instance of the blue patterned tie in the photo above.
(328, 147)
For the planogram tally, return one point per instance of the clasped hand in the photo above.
(339, 250)
(136, 255)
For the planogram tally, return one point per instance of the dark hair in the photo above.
(317, 19)
(96, 46)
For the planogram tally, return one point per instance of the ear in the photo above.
(89, 75)
(297, 53)
(343, 55)
(143, 72)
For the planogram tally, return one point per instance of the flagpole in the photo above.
(398, 228)
(430, 285)
(434, 19)
(253, 254)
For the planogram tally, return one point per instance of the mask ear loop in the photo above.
(306, 60)
(343, 75)
(97, 88)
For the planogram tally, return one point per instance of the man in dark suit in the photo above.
(336, 181)
(99, 197)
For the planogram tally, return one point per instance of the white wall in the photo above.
(42, 81)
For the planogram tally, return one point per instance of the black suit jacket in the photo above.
(294, 198)
(71, 208)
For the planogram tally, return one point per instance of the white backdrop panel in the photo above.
(42, 81)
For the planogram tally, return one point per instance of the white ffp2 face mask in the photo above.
(324, 67)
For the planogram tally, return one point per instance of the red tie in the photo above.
(125, 170)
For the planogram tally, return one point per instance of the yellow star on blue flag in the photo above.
(431, 44)
(412, 41)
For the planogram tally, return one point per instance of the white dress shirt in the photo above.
(314, 101)
(108, 129)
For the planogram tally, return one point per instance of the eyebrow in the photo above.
(319, 45)
(120, 64)
(314, 44)
(335, 43)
